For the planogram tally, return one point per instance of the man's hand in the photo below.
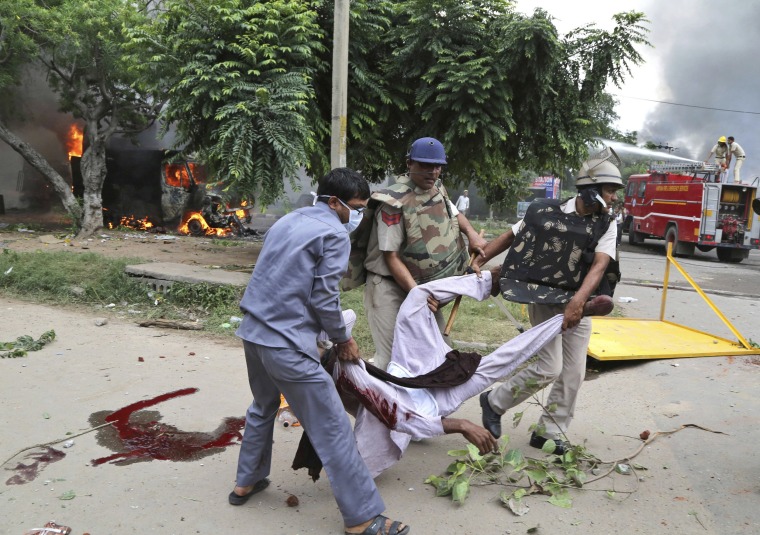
(477, 244)
(348, 350)
(433, 304)
(573, 314)
(476, 435)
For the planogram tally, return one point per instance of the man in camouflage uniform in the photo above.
(557, 261)
(416, 237)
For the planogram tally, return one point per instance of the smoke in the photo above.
(705, 52)
(35, 118)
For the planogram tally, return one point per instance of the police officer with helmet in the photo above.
(416, 237)
(556, 263)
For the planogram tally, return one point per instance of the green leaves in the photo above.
(553, 476)
(25, 343)
(250, 87)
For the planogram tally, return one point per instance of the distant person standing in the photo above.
(735, 150)
(463, 203)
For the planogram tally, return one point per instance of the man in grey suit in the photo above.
(292, 296)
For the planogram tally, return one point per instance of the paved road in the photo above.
(742, 279)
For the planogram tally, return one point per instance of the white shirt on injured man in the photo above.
(418, 348)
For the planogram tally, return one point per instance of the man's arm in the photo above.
(325, 294)
(476, 435)
(476, 242)
(398, 269)
(574, 309)
(493, 248)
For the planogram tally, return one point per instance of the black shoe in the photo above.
(491, 420)
(538, 442)
(237, 499)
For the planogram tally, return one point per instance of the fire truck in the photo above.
(689, 205)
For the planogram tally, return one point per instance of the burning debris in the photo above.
(151, 190)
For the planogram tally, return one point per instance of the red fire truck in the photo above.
(689, 205)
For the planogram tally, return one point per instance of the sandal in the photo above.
(236, 499)
(377, 527)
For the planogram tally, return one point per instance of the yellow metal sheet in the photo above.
(636, 339)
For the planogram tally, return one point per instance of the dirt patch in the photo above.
(229, 252)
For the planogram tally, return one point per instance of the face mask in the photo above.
(354, 217)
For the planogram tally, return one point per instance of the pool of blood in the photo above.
(142, 439)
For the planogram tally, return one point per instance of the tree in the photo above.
(239, 79)
(250, 86)
(79, 45)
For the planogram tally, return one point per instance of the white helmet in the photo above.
(601, 168)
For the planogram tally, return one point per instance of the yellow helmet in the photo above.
(722, 139)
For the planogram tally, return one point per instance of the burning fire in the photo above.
(177, 174)
(195, 220)
(132, 222)
(74, 139)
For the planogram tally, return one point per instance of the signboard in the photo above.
(549, 183)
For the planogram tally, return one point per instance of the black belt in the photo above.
(386, 277)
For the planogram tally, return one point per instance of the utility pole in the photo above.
(339, 85)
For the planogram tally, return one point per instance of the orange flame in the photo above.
(176, 175)
(132, 222)
(74, 140)
(208, 231)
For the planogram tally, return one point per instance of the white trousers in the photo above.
(562, 361)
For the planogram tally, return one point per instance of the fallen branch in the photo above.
(648, 441)
(171, 324)
(69, 437)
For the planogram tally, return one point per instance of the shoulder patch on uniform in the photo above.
(390, 219)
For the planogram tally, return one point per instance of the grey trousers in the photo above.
(562, 362)
(312, 396)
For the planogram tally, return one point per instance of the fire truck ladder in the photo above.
(621, 338)
(684, 167)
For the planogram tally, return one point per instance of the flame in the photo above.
(209, 231)
(198, 171)
(132, 222)
(74, 140)
(176, 175)
(241, 213)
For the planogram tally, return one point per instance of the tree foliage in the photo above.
(250, 86)
(249, 83)
(239, 80)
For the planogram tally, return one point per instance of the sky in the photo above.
(703, 56)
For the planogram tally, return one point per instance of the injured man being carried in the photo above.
(388, 415)
(426, 380)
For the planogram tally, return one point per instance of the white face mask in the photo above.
(354, 217)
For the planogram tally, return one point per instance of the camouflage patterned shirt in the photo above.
(422, 226)
(553, 251)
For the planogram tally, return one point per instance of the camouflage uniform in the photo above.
(422, 227)
(546, 268)
(549, 261)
